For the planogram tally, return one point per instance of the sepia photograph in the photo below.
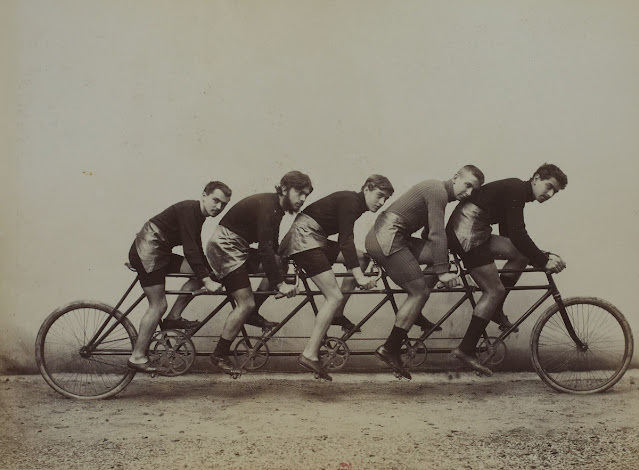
(319, 234)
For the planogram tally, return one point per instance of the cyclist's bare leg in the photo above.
(424, 256)
(418, 293)
(181, 301)
(264, 286)
(493, 292)
(503, 248)
(260, 296)
(157, 306)
(327, 284)
(349, 284)
(389, 352)
(244, 306)
(487, 278)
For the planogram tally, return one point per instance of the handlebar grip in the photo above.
(453, 267)
(379, 271)
(200, 291)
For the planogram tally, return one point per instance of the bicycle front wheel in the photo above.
(598, 362)
(76, 369)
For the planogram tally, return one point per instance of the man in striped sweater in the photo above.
(390, 243)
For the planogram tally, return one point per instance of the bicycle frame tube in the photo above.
(564, 314)
(388, 293)
(308, 299)
(387, 298)
(93, 342)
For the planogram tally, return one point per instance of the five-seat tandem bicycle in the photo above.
(578, 345)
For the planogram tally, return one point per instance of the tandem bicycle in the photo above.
(578, 345)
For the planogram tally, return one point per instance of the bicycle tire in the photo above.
(101, 374)
(563, 365)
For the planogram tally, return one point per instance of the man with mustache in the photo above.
(389, 242)
(152, 257)
(469, 235)
(308, 245)
(255, 219)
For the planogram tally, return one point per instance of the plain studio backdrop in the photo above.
(113, 110)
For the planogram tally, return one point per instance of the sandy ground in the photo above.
(291, 421)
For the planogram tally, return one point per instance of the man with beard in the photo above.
(152, 257)
(470, 236)
(254, 219)
(308, 245)
(389, 242)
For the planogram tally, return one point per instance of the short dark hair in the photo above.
(476, 172)
(213, 185)
(548, 170)
(380, 182)
(294, 179)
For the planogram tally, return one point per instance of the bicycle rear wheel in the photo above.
(74, 370)
(599, 363)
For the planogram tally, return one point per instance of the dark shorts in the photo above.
(157, 277)
(403, 265)
(239, 278)
(317, 260)
(476, 257)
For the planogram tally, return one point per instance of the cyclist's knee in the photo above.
(247, 305)
(335, 296)
(497, 292)
(418, 288)
(158, 307)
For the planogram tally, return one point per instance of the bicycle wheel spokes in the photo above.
(596, 364)
(251, 353)
(74, 368)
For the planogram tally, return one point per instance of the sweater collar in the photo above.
(362, 201)
(449, 190)
(529, 192)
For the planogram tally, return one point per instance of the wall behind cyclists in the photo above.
(115, 110)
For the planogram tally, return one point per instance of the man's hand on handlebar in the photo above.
(285, 290)
(210, 285)
(363, 282)
(449, 280)
(366, 283)
(555, 264)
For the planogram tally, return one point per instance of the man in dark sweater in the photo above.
(255, 219)
(390, 243)
(308, 245)
(151, 255)
(470, 236)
